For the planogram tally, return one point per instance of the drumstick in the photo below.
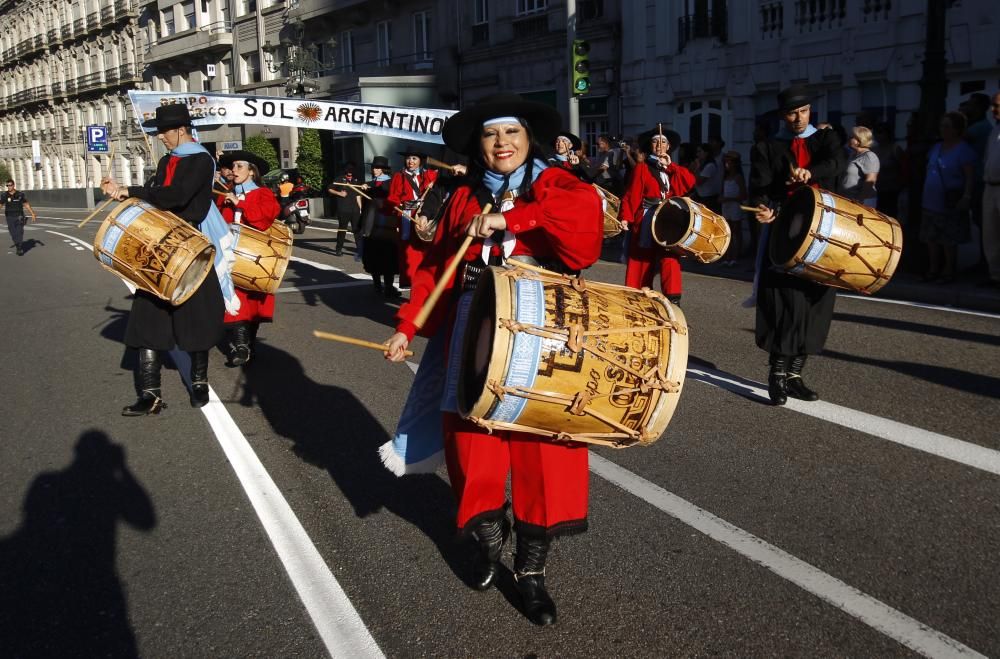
(356, 342)
(440, 165)
(449, 272)
(356, 188)
(95, 212)
(749, 209)
(111, 159)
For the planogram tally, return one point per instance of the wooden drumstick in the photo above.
(438, 164)
(95, 212)
(749, 209)
(449, 273)
(356, 188)
(355, 342)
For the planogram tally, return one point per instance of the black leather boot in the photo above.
(490, 535)
(149, 386)
(796, 387)
(777, 380)
(241, 345)
(674, 299)
(529, 574)
(199, 378)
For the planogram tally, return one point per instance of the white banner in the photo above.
(417, 124)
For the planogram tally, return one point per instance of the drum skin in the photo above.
(570, 359)
(689, 228)
(155, 250)
(261, 256)
(611, 205)
(832, 240)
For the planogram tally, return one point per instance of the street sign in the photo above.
(232, 146)
(97, 139)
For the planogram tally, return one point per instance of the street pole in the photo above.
(574, 100)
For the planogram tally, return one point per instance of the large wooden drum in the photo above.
(687, 227)
(155, 250)
(611, 205)
(261, 256)
(571, 360)
(832, 240)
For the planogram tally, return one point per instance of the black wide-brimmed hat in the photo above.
(413, 151)
(169, 116)
(227, 159)
(646, 139)
(462, 130)
(792, 98)
(380, 161)
(574, 140)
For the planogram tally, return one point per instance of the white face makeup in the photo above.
(505, 146)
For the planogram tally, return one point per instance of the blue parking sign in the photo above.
(97, 139)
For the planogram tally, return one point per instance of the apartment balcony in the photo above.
(65, 32)
(215, 37)
(107, 15)
(111, 76)
(701, 25)
(126, 8)
(79, 25)
(93, 21)
(67, 134)
(307, 9)
(70, 86)
(57, 89)
(88, 82)
(52, 36)
(128, 73)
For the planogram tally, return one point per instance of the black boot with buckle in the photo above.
(490, 535)
(529, 574)
(148, 377)
(777, 380)
(796, 387)
(241, 345)
(199, 378)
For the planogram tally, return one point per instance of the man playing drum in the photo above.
(254, 206)
(793, 314)
(547, 216)
(656, 179)
(183, 186)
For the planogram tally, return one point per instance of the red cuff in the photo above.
(522, 218)
(407, 328)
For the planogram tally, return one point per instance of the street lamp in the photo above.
(299, 62)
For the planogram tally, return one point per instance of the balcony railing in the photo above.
(89, 81)
(813, 15)
(68, 134)
(38, 41)
(94, 21)
(79, 24)
(107, 14)
(128, 73)
(125, 8)
(66, 31)
(877, 10)
(71, 86)
(53, 35)
(772, 19)
(111, 76)
(57, 89)
(700, 25)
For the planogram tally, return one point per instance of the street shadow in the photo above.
(30, 244)
(61, 595)
(973, 383)
(331, 429)
(358, 298)
(113, 329)
(920, 328)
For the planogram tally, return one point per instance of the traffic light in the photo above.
(581, 66)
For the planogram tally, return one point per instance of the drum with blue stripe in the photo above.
(835, 241)
(689, 228)
(571, 360)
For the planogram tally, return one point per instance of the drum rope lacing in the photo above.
(852, 249)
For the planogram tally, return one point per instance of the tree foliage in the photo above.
(310, 159)
(260, 146)
(5, 173)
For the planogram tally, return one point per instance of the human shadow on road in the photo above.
(60, 595)
(331, 429)
(973, 383)
(113, 329)
(30, 244)
(358, 300)
(920, 328)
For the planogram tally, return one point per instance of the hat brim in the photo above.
(407, 154)
(227, 159)
(646, 139)
(795, 103)
(574, 140)
(461, 130)
(164, 125)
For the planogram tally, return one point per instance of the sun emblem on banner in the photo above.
(309, 111)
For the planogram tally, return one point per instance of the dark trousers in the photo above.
(15, 225)
(347, 221)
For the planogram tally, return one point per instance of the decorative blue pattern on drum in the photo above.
(694, 229)
(449, 400)
(818, 245)
(115, 231)
(530, 296)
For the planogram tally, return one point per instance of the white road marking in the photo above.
(315, 264)
(868, 610)
(966, 453)
(316, 287)
(921, 305)
(336, 619)
(79, 241)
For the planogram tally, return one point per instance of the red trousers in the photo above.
(641, 269)
(548, 481)
(411, 253)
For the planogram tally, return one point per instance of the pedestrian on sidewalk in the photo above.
(14, 203)
(348, 206)
(858, 180)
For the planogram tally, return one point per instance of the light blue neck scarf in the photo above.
(786, 135)
(245, 187)
(497, 184)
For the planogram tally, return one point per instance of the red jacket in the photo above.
(643, 184)
(561, 219)
(400, 189)
(259, 209)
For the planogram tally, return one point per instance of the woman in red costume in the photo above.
(256, 207)
(545, 216)
(652, 181)
(406, 189)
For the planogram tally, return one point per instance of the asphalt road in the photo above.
(867, 524)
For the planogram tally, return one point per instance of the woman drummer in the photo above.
(255, 206)
(565, 147)
(654, 180)
(543, 215)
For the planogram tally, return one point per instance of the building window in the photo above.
(383, 35)
(811, 15)
(347, 51)
(188, 10)
(702, 19)
(772, 19)
(481, 22)
(593, 127)
(422, 36)
(251, 68)
(530, 6)
(703, 119)
(168, 21)
(589, 10)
